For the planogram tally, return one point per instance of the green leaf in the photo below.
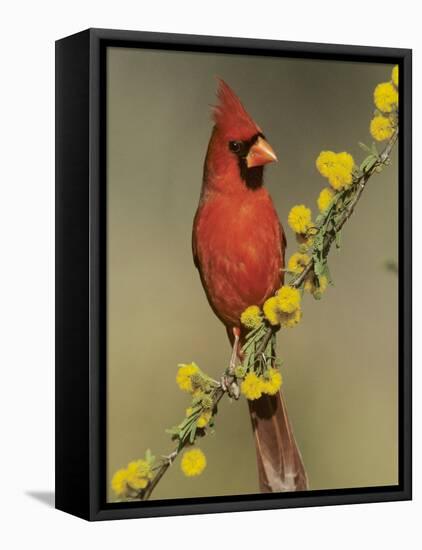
(196, 404)
(369, 162)
(319, 219)
(318, 268)
(374, 150)
(325, 273)
(192, 434)
(253, 332)
(269, 349)
(247, 357)
(338, 239)
(186, 426)
(149, 457)
(364, 147)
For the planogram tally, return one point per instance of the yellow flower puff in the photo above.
(336, 167)
(312, 287)
(251, 387)
(325, 162)
(345, 160)
(189, 411)
(340, 178)
(325, 198)
(119, 482)
(183, 377)
(300, 218)
(271, 310)
(204, 419)
(386, 97)
(395, 76)
(272, 382)
(251, 317)
(288, 299)
(381, 128)
(193, 462)
(290, 320)
(138, 474)
(297, 262)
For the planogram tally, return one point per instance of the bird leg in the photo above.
(228, 380)
(235, 350)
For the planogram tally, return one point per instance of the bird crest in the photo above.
(230, 116)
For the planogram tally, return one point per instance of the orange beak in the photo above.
(260, 153)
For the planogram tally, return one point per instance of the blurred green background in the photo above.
(340, 365)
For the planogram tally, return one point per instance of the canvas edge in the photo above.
(96, 509)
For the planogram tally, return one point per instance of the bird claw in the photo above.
(234, 390)
(230, 386)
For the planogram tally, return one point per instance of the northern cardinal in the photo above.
(238, 247)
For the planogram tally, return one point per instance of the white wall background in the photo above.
(27, 272)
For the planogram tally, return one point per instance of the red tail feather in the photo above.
(280, 465)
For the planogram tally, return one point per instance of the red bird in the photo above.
(238, 247)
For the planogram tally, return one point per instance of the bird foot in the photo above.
(233, 358)
(234, 390)
(229, 385)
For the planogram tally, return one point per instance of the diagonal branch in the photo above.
(359, 185)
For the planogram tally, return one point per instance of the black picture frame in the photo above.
(81, 273)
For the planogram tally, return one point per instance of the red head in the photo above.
(230, 117)
(237, 150)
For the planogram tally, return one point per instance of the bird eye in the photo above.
(235, 146)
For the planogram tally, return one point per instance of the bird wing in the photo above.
(194, 246)
(283, 243)
(283, 239)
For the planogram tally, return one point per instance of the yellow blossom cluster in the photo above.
(337, 168)
(298, 262)
(251, 318)
(324, 199)
(315, 286)
(184, 376)
(253, 386)
(381, 127)
(135, 477)
(300, 219)
(288, 299)
(386, 99)
(193, 462)
(191, 379)
(283, 308)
